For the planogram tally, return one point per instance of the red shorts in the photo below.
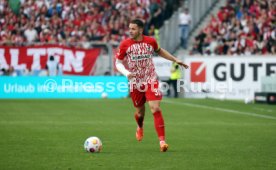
(145, 93)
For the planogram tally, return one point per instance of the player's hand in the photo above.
(130, 76)
(182, 64)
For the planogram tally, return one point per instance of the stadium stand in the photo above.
(241, 27)
(72, 21)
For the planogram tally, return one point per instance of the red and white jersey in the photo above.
(138, 55)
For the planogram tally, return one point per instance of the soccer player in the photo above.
(138, 51)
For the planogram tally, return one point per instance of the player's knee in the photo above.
(140, 111)
(155, 108)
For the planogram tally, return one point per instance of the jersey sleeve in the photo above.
(121, 52)
(155, 45)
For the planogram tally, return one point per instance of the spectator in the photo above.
(154, 32)
(175, 75)
(199, 41)
(184, 22)
(213, 45)
(7, 71)
(52, 66)
(2, 70)
(59, 21)
(241, 27)
(30, 34)
(155, 11)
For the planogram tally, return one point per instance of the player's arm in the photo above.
(120, 55)
(165, 54)
(121, 68)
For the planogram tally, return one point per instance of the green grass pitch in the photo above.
(202, 134)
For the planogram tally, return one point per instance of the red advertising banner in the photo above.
(74, 61)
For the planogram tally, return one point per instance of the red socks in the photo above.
(139, 120)
(159, 125)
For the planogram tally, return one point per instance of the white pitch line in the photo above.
(222, 109)
(261, 109)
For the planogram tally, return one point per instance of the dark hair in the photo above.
(52, 58)
(138, 22)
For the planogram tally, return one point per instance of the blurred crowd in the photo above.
(242, 27)
(73, 21)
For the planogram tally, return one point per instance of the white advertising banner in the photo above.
(162, 66)
(227, 77)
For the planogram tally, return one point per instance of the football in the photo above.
(93, 144)
(104, 95)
